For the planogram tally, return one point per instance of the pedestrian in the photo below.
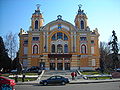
(73, 75)
(23, 77)
(16, 78)
(39, 72)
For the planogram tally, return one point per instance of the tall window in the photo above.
(59, 35)
(35, 49)
(83, 39)
(83, 48)
(82, 24)
(65, 37)
(53, 48)
(59, 48)
(25, 41)
(36, 24)
(35, 38)
(65, 48)
(54, 37)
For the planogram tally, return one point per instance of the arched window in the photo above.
(65, 37)
(59, 35)
(65, 48)
(54, 37)
(83, 48)
(35, 49)
(82, 24)
(59, 48)
(53, 48)
(36, 24)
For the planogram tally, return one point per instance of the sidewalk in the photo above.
(73, 81)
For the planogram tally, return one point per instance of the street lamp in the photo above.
(79, 61)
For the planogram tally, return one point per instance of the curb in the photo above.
(87, 82)
(73, 82)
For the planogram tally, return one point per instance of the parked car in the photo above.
(14, 71)
(55, 80)
(118, 69)
(33, 69)
(6, 83)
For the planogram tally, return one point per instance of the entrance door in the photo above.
(67, 66)
(52, 66)
(42, 65)
(59, 66)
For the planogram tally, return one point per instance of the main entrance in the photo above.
(52, 66)
(59, 66)
(67, 66)
(59, 61)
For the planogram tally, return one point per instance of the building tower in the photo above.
(37, 19)
(81, 19)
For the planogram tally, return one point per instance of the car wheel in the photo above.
(45, 83)
(63, 83)
(6, 87)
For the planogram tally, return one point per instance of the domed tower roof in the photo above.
(37, 12)
(81, 12)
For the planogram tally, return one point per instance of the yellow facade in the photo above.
(59, 45)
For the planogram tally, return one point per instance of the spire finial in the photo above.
(59, 17)
(38, 5)
(80, 5)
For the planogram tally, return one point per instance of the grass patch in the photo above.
(5, 75)
(90, 73)
(99, 78)
(26, 79)
(31, 73)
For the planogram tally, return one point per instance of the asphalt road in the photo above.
(91, 86)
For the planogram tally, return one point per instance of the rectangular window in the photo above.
(35, 38)
(83, 39)
(25, 50)
(92, 41)
(25, 62)
(59, 58)
(93, 62)
(52, 58)
(25, 41)
(92, 50)
(66, 58)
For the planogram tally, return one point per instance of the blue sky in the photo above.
(102, 14)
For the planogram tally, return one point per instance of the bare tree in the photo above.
(11, 44)
(104, 55)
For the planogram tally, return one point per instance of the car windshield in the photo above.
(52, 77)
(58, 77)
(5, 77)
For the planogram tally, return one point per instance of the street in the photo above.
(90, 86)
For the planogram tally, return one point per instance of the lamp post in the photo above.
(41, 64)
(79, 61)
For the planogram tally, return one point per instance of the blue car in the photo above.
(55, 80)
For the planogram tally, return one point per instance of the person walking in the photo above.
(16, 78)
(73, 75)
(23, 77)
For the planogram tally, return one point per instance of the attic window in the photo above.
(82, 24)
(36, 24)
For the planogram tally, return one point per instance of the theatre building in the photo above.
(59, 45)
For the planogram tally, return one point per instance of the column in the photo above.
(63, 64)
(55, 63)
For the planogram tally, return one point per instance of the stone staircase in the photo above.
(65, 73)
